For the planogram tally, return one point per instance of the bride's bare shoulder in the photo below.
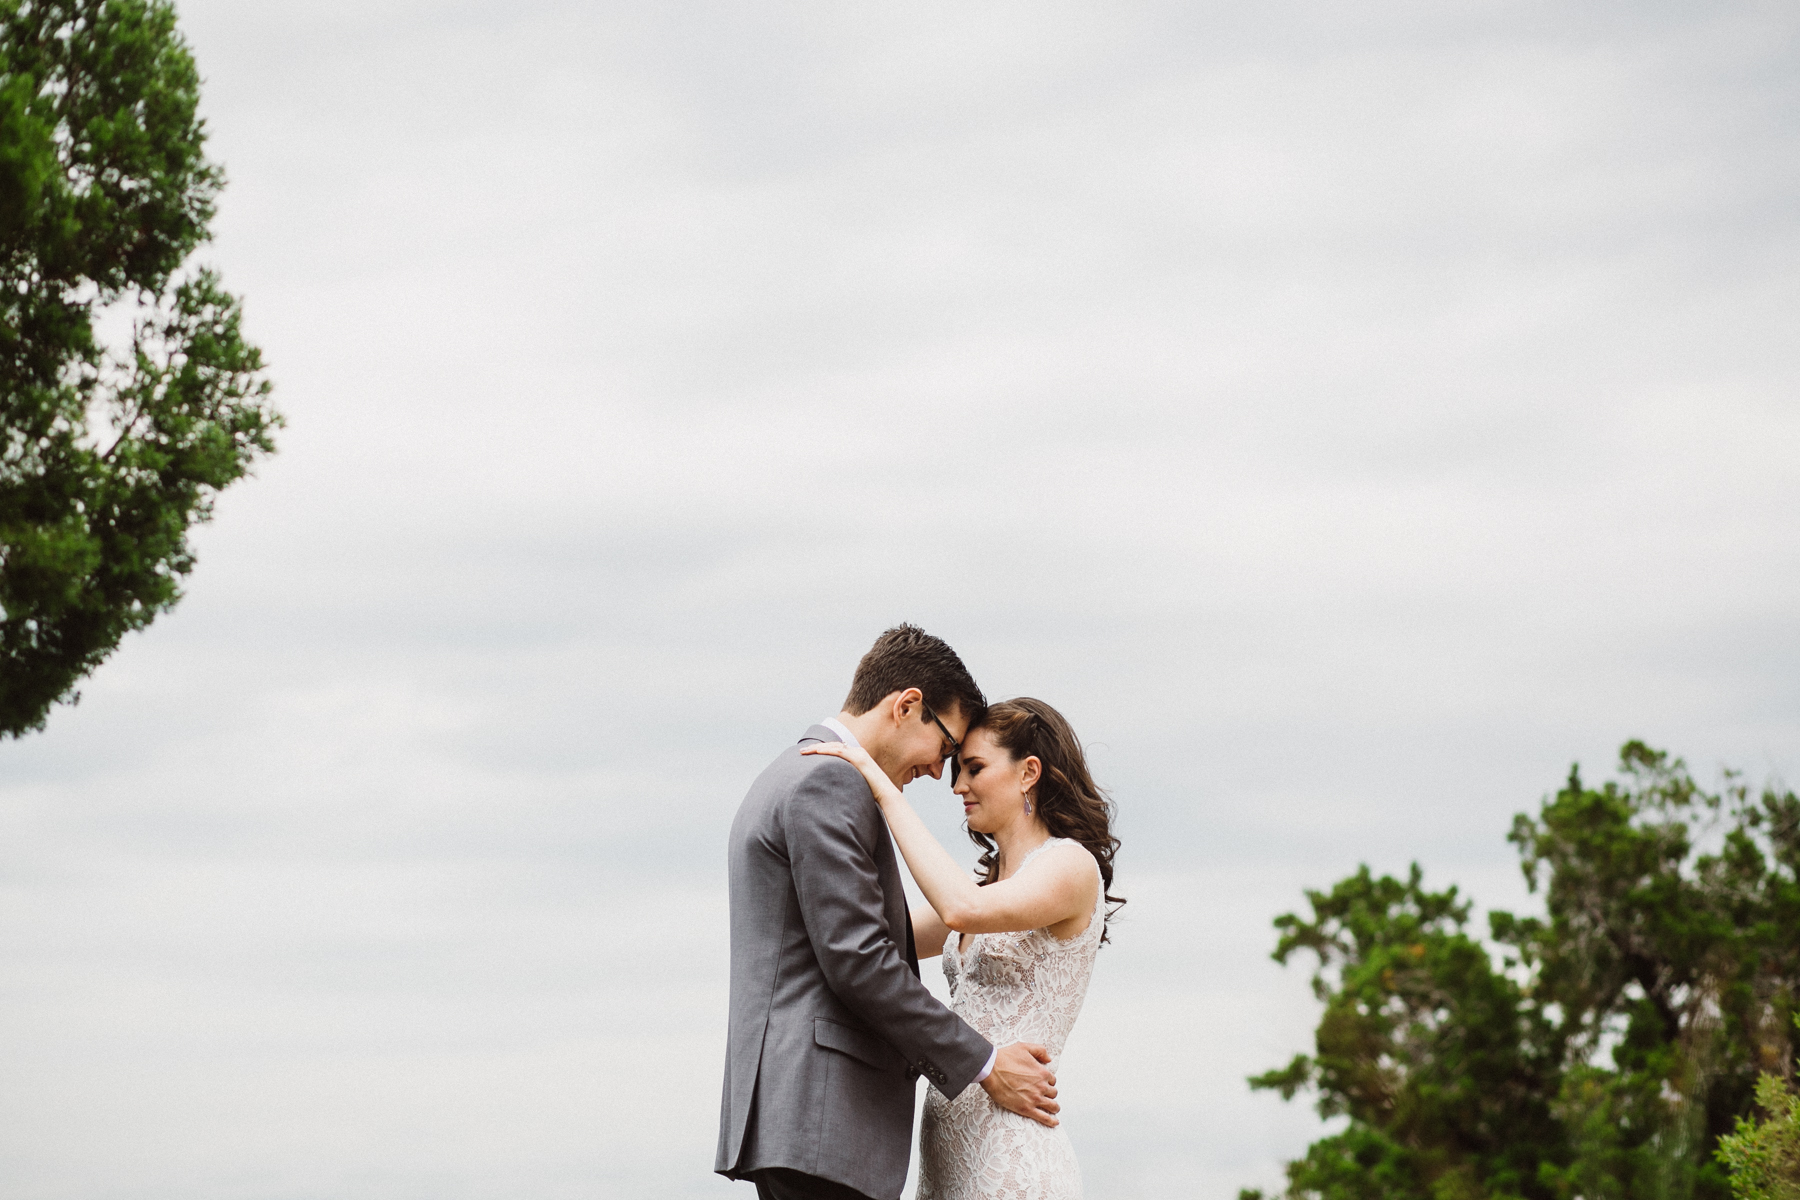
(1071, 859)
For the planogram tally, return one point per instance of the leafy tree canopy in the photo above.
(110, 449)
(1598, 1052)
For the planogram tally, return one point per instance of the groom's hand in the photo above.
(1021, 1082)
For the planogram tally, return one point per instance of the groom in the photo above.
(830, 1026)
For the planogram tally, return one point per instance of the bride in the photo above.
(1026, 932)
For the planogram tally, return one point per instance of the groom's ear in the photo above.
(907, 704)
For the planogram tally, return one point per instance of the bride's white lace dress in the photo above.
(1012, 987)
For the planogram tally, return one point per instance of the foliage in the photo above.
(1600, 1050)
(1438, 1059)
(1764, 1160)
(108, 453)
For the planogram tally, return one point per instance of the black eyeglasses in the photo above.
(955, 746)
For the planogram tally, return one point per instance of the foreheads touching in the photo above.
(915, 700)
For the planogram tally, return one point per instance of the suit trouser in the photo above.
(780, 1183)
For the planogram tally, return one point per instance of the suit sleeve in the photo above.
(832, 826)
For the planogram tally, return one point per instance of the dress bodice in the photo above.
(1026, 986)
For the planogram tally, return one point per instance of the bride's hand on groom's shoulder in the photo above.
(857, 757)
(1022, 1082)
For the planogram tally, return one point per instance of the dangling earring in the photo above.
(1027, 803)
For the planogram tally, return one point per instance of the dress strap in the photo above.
(1040, 848)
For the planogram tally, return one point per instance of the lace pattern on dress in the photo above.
(1012, 987)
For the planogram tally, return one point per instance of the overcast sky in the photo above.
(1348, 415)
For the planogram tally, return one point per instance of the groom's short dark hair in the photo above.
(908, 657)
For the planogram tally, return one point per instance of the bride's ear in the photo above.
(1030, 771)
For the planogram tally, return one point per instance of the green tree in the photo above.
(1439, 1060)
(1671, 948)
(110, 449)
(1600, 1050)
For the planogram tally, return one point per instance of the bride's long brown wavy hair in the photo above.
(1066, 798)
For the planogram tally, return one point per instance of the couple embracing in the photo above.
(830, 1026)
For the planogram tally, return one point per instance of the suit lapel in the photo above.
(887, 861)
(893, 892)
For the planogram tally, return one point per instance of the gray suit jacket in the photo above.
(830, 1026)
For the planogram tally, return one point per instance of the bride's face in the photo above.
(992, 784)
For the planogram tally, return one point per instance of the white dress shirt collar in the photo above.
(844, 735)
